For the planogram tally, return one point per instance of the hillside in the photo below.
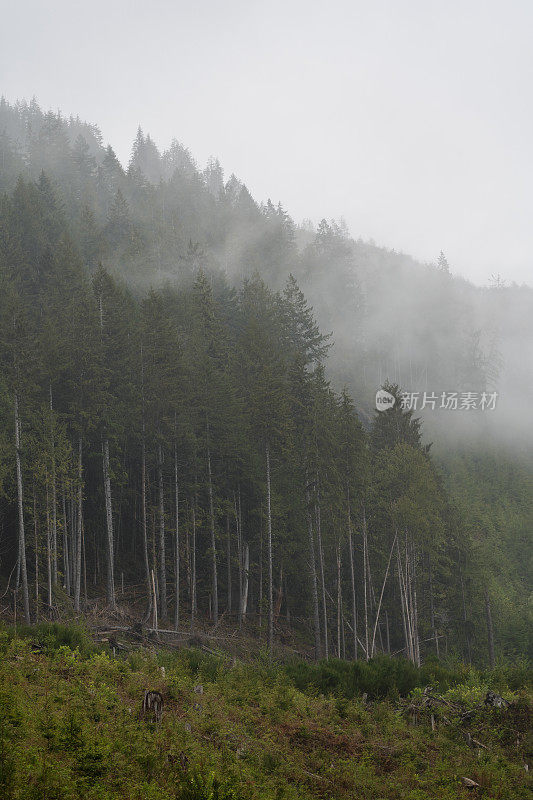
(71, 726)
(177, 417)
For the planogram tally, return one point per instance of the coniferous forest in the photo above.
(183, 431)
(224, 573)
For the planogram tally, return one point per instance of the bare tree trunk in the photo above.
(415, 605)
(73, 534)
(77, 569)
(228, 549)
(54, 493)
(352, 576)
(409, 603)
(147, 574)
(432, 608)
(402, 603)
(193, 564)
(365, 575)
(269, 556)
(177, 554)
(322, 581)
(145, 530)
(314, 579)
(214, 576)
(22, 538)
(162, 549)
(155, 582)
(371, 593)
(36, 549)
(339, 601)
(246, 576)
(490, 629)
(261, 571)
(109, 527)
(465, 620)
(238, 521)
(154, 606)
(48, 549)
(406, 613)
(83, 543)
(66, 560)
(381, 596)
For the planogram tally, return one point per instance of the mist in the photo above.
(406, 119)
(266, 385)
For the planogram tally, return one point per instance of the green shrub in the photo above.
(200, 664)
(381, 677)
(196, 786)
(53, 635)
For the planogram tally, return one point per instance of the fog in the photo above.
(411, 120)
(404, 122)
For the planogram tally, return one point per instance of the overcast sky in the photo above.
(412, 119)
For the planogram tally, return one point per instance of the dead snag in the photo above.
(152, 707)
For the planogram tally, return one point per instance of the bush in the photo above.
(196, 786)
(381, 677)
(201, 665)
(53, 635)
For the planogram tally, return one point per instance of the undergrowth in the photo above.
(70, 726)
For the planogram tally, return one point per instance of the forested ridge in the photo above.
(170, 421)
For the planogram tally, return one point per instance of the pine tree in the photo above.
(442, 263)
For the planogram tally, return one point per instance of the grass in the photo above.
(70, 727)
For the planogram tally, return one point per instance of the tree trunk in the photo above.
(110, 584)
(365, 575)
(465, 620)
(162, 550)
(246, 576)
(339, 601)
(177, 554)
(432, 608)
(352, 577)
(402, 603)
(193, 564)
(322, 581)
(261, 572)
(54, 494)
(490, 629)
(415, 605)
(239, 548)
(66, 560)
(73, 529)
(77, 570)
(313, 575)
(84, 563)
(269, 556)
(406, 613)
(22, 539)
(48, 549)
(147, 575)
(228, 546)
(214, 577)
(36, 550)
(381, 596)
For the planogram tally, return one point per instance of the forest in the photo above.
(186, 392)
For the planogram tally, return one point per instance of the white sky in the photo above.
(412, 119)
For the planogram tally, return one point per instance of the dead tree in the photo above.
(152, 707)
